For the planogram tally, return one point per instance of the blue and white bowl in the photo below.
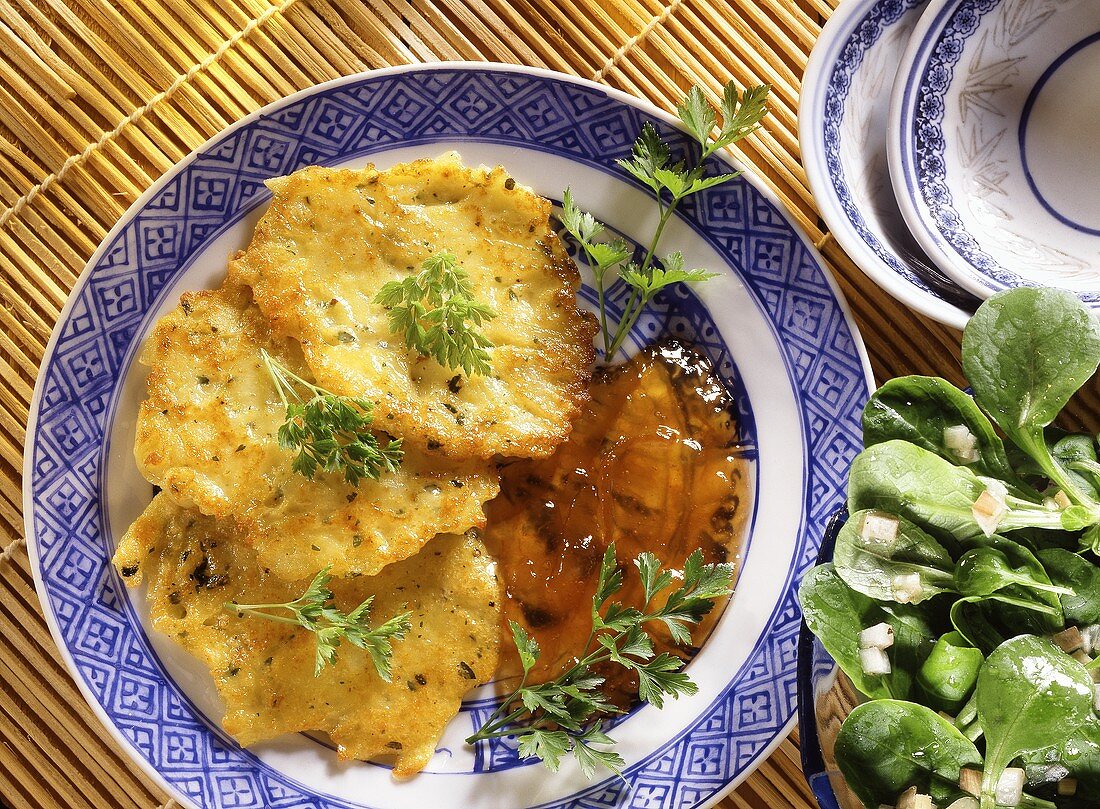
(843, 136)
(993, 128)
(773, 323)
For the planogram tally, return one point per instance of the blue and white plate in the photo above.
(773, 323)
(992, 142)
(842, 134)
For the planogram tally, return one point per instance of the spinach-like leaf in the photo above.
(1080, 754)
(885, 746)
(870, 566)
(1030, 695)
(987, 619)
(1080, 575)
(902, 478)
(983, 571)
(950, 672)
(972, 618)
(918, 409)
(836, 614)
(1025, 352)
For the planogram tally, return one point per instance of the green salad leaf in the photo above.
(921, 409)
(1029, 695)
(886, 746)
(1025, 353)
(872, 566)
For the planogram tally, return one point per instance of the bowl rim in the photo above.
(839, 33)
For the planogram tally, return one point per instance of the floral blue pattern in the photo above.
(924, 142)
(154, 244)
(878, 19)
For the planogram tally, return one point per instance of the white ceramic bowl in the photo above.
(842, 134)
(994, 123)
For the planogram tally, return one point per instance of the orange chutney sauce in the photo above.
(654, 463)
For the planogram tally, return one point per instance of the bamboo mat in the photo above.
(99, 97)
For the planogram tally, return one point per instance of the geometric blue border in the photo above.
(221, 182)
(923, 143)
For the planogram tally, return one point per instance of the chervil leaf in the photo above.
(653, 579)
(314, 611)
(697, 114)
(610, 579)
(591, 758)
(662, 677)
(548, 745)
(649, 155)
(617, 618)
(436, 314)
(703, 183)
(605, 255)
(527, 646)
(582, 226)
(674, 182)
(547, 697)
(330, 433)
(741, 117)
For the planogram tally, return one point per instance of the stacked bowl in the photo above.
(949, 145)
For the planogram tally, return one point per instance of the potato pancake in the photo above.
(207, 434)
(264, 670)
(333, 237)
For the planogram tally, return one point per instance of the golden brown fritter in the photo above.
(333, 237)
(206, 434)
(264, 670)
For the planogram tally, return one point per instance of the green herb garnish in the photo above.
(436, 314)
(670, 183)
(330, 432)
(313, 610)
(562, 716)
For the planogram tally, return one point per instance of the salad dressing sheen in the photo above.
(654, 463)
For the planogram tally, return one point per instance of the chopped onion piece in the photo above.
(874, 662)
(1091, 635)
(879, 636)
(1067, 787)
(970, 780)
(906, 587)
(1069, 640)
(879, 526)
(1010, 787)
(1062, 499)
(1081, 657)
(961, 443)
(989, 509)
(911, 799)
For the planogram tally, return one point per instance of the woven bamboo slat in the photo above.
(99, 97)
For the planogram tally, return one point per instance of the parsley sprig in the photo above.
(329, 432)
(312, 610)
(563, 715)
(671, 183)
(437, 315)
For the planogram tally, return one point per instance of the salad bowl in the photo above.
(773, 324)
